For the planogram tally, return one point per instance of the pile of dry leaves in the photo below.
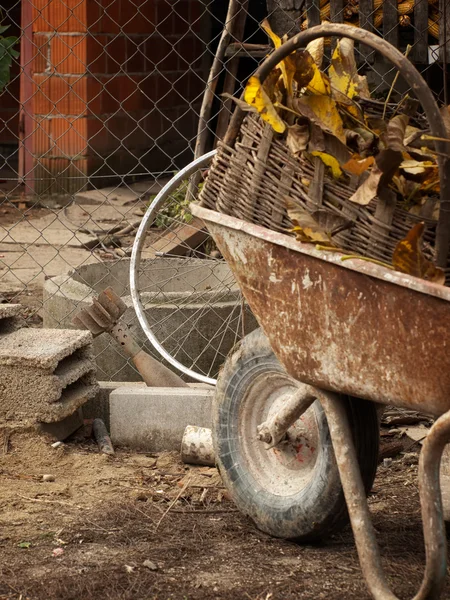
(331, 116)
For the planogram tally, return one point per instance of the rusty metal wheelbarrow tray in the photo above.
(358, 328)
(347, 326)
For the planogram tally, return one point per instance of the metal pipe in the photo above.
(273, 430)
(430, 499)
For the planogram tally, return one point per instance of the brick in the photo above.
(41, 136)
(135, 55)
(115, 51)
(161, 54)
(154, 419)
(131, 98)
(41, 95)
(41, 53)
(99, 137)
(164, 18)
(96, 54)
(69, 54)
(189, 50)
(70, 136)
(110, 11)
(138, 16)
(59, 15)
(111, 94)
(149, 89)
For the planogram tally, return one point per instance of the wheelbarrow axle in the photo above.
(273, 430)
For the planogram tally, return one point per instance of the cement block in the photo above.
(98, 406)
(10, 318)
(61, 430)
(45, 374)
(154, 419)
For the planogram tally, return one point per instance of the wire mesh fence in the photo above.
(101, 102)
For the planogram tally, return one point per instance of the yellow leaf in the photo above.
(319, 84)
(357, 165)
(273, 36)
(408, 257)
(255, 95)
(323, 112)
(287, 66)
(331, 162)
(343, 71)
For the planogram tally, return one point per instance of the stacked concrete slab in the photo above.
(46, 375)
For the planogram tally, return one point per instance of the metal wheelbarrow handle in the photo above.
(411, 75)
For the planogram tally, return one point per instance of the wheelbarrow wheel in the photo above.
(293, 490)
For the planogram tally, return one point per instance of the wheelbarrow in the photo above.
(337, 338)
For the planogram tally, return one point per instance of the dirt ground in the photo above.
(140, 526)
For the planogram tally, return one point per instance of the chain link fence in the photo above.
(101, 102)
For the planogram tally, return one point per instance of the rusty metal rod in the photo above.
(430, 499)
(274, 428)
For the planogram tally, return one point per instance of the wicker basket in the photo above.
(251, 182)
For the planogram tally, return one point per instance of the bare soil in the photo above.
(89, 533)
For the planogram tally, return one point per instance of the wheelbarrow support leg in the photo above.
(430, 499)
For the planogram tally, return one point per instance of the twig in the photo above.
(394, 81)
(172, 503)
(367, 259)
(205, 512)
(43, 501)
(6, 436)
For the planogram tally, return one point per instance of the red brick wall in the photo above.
(114, 82)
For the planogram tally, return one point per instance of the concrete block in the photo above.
(61, 430)
(10, 318)
(98, 406)
(45, 374)
(154, 419)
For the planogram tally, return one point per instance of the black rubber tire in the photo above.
(319, 509)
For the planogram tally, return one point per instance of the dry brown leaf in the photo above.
(408, 257)
(297, 138)
(306, 228)
(357, 165)
(416, 167)
(316, 49)
(322, 111)
(318, 226)
(395, 133)
(271, 85)
(304, 67)
(368, 190)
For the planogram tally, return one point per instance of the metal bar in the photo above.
(272, 431)
(430, 498)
